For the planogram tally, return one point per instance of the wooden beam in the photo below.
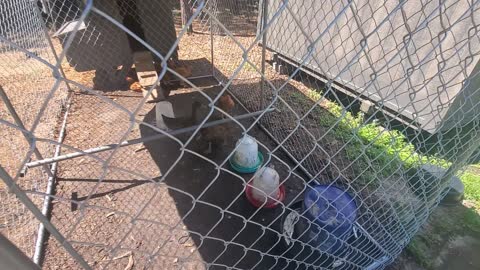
(147, 75)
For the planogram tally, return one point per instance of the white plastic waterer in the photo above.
(268, 181)
(246, 154)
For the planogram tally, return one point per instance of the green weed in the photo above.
(419, 250)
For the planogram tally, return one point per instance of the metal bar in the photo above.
(22, 197)
(19, 123)
(199, 77)
(264, 40)
(42, 233)
(137, 141)
(211, 39)
(12, 257)
(24, 169)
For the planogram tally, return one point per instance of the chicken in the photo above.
(226, 103)
(214, 136)
(184, 71)
(136, 87)
(171, 80)
(132, 81)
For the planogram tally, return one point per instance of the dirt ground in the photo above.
(196, 215)
(27, 84)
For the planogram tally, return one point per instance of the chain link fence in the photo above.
(26, 103)
(369, 107)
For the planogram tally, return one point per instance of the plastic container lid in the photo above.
(331, 208)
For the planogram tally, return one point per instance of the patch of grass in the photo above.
(471, 220)
(389, 149)
(444, 224)
(472, 187)
(419, 251)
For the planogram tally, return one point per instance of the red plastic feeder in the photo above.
(270, 202)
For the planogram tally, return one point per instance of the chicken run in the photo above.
(181, 135)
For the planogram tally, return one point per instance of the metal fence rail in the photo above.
(116, 189)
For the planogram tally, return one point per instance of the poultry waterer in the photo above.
(247, 158)
(264, 190)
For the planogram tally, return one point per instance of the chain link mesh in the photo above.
(372, 98)
(27, 84)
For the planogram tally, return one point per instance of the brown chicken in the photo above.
(168, 81)
(171, 80)
(132, 81)
(184, 71)
(226, 103)
(136, 87)
(214, 136)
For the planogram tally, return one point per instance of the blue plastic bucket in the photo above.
(329, 215)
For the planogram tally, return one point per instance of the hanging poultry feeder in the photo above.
(264, 190)
(247, 158)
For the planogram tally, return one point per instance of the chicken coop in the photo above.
(168, 134)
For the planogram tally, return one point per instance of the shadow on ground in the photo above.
(244, 237)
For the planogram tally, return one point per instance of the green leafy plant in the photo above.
(388, 150)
